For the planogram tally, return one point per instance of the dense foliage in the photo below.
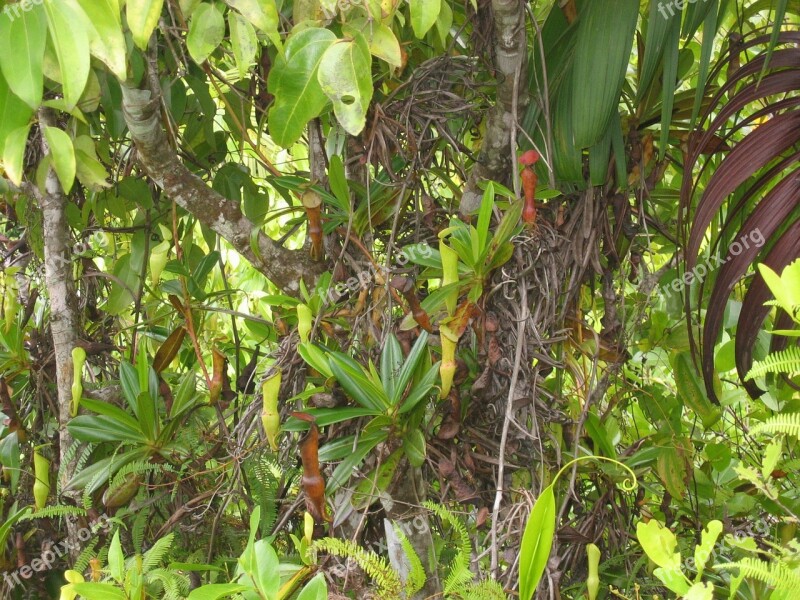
(399, 299)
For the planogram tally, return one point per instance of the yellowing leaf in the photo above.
(142, 19)
(14, 153)
(206, 30)
(345, 75)
(263, 14)
(382, 41)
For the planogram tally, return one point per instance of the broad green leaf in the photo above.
(673, 578)
(14, 153)
(414, 447)
(293, 81)
(188, 6)
(116, 559)
(376, 481)
(597, 76)
(659, 543)
(316, 358)
(382, 41)
(263, 14)
(206, 31)
(658, 24)
(69, 31)
(110, 410)
(143, 17)
(106, 37)
(421, 389)
(99, 591)
(316, 589)
(9, 458)
(123, 287)
(537, 541)
(267, 574)
(63, 153)
(423, 15)
(691, 390)
(99, 428)
(22, 43)
(703, 550)
(356, 383)
(243, 41)
(215, 591)
(700, 591)
(345, 74)
(391, 363)
(14, 113)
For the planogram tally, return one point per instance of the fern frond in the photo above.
(776, 574)
(88, 553)
(458, 579)
(376, 567)
(263, 475)
(488, 589)
(153, 557)
(54, 512)
(416, 575)
(174, 584)
(786, 361)
(787, 424)
(447, 516)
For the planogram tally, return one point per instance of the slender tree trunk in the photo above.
(64, 321)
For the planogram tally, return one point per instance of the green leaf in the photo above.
(110, 410)
(654, 43)
(537, 541)
(328, 416)
(143, 17)
(382, 41)
(414, 447)
(116, 559)
(345, 75)
(206, 31)
(316, 358)
(669, 77)
(597, 77)
(14, 113)
(294, 83)
(22, 43)
(316, 589)
(263, 14)
(691, 390)
(703, 550)
(106, 38)
(659, 543)
(215, 591)
(14, 153)
(377, 481)
(409, 366)
(266, 575)
(63, 153)
(99, 428)
(423, 15)
(69, 32)
(391, 363)
(356, 383)
(89, 477)
(243, 41)
(421, 389)
(344, 470)
(99, 591)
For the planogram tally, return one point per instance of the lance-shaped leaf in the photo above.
(106, 38)
(294, 83)
(345, 75)
(597, 77)
(24, 36)
(63, 155)
(69, 32)
(243, 41)
(142, 19)
(537, 541)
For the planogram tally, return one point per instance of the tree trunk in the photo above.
(64, 320)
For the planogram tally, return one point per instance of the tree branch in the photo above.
(511, 63)
(282, 266)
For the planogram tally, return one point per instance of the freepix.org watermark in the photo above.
(49, 557)
(671, 6)
(12, 11)
(755, 238)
